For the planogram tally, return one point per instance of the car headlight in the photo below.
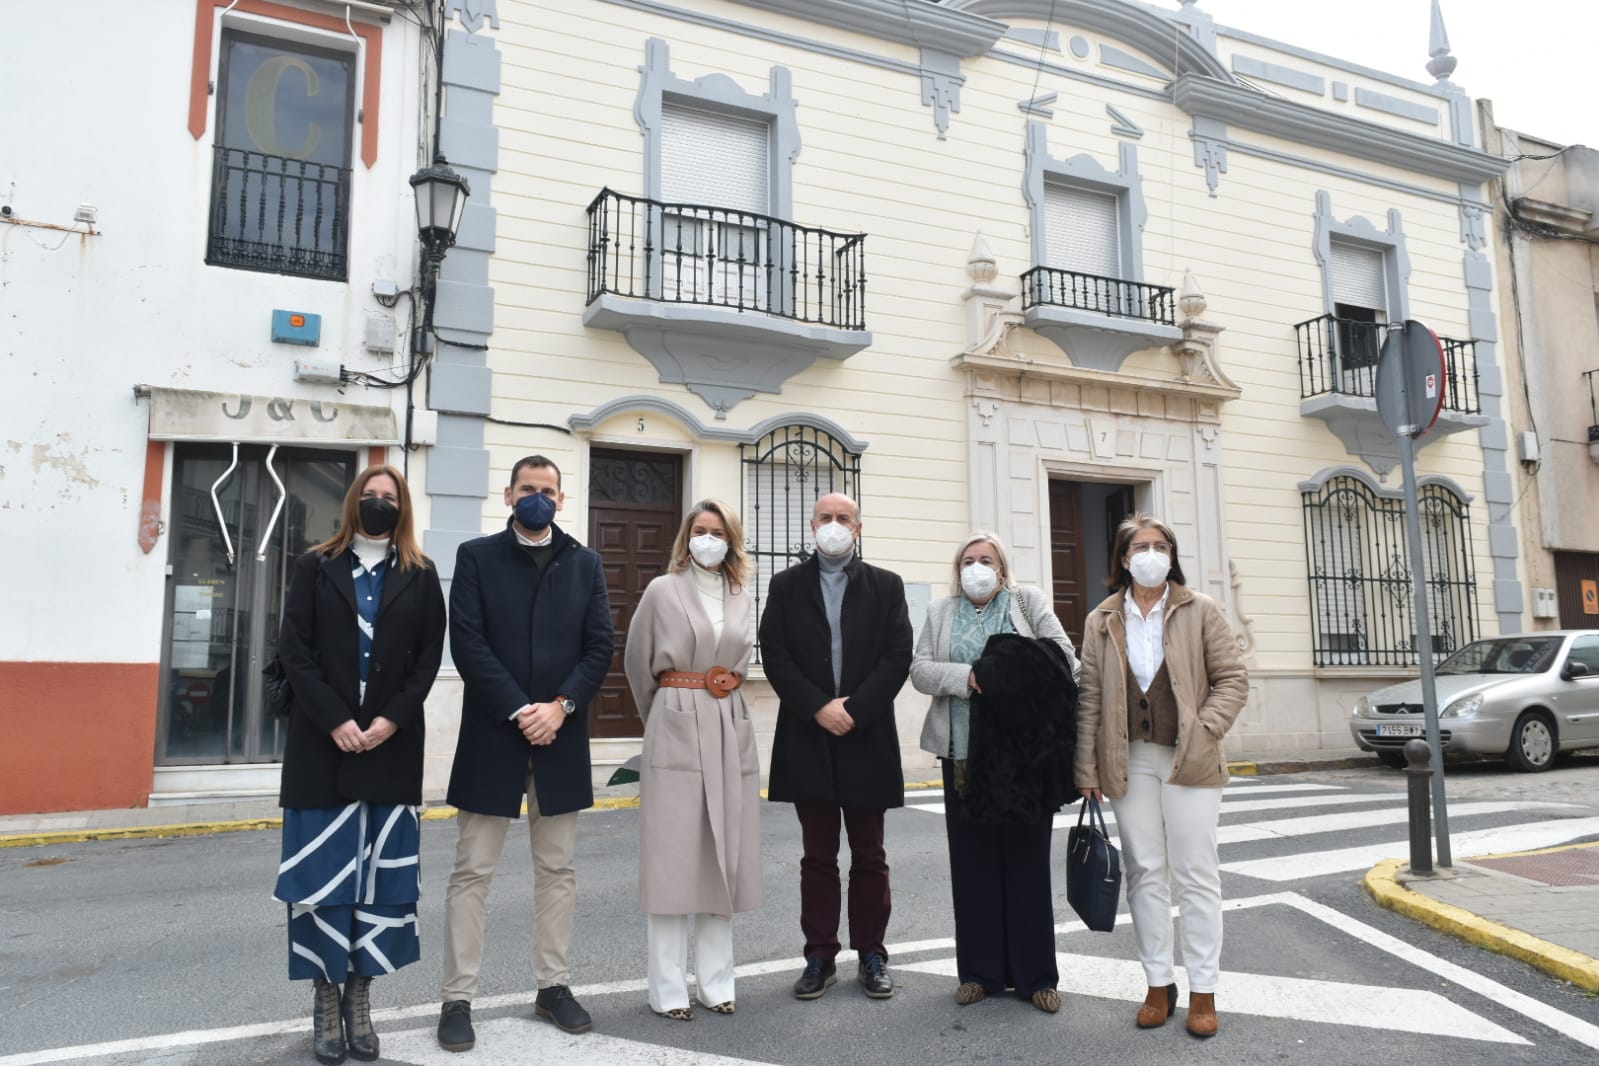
(1463, 708)
(1362, 708)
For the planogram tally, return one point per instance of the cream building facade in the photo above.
(1000, 264)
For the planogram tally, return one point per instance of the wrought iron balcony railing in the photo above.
(271, 213)
(1100, 295)
(693, 254)
(1339, 355)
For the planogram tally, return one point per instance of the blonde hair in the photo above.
(1006, 579)
(736, 566)
(403, 536)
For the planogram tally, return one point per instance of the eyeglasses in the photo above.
(1159, 546)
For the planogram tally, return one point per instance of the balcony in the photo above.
(280, 215)
(1338, 384)
(726, 303)
(1098, 321)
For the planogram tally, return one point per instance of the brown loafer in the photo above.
(1159, 1003)
(1047, 1000)
(1202, 1014)
(969, 992)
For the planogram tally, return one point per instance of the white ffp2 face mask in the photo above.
(707, 550)
(834, 539)
(978, 581)
(1149, 569)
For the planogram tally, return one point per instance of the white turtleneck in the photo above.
(370, 550)
(712, 587)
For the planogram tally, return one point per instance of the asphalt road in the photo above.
(171, 951)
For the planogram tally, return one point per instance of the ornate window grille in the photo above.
(785, 473)
(1361, 595)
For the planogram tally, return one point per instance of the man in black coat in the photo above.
(530, 632)
(836, 646)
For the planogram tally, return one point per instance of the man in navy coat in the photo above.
(530, 632)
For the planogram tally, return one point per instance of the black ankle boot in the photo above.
(327, 1035)
(357, 1010)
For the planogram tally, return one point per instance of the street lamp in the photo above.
(440, 200)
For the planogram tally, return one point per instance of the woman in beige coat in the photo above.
(1162, 683)
(699, 823)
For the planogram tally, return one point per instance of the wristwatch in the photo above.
(567, 705)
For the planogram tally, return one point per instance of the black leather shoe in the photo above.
(819, 973)
(873, 976)
(455, 1026)
(356, 1007)
(556, 1004)
(327, 1033)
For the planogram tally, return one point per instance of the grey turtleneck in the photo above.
(833, 581)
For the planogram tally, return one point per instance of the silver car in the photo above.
(1526, 696)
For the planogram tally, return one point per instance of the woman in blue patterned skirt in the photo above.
(363, 632)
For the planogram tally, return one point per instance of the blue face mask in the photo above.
(535, 512)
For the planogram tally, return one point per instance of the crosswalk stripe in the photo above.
(1525, 837)
(1295, 998)
(1278, 828)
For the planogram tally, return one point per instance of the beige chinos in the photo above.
(553, 839)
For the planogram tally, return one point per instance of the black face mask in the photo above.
(378, 516)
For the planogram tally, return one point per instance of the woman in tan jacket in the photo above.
(1162, 683)
(688, 647)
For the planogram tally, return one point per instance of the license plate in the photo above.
(1396, 729)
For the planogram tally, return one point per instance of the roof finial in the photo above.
(1442, 64)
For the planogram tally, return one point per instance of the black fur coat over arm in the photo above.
(1023, 732)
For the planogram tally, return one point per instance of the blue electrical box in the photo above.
(296, 327)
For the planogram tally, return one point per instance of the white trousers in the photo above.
(668, 936)
(1168, 839)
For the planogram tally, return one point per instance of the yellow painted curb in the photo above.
(1553, 959)
(1244, 769)
(134, 832)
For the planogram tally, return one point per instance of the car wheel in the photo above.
(1395, 759)
(1532, 743)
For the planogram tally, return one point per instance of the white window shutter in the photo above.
(1082, 233)
(714, 160)
(1358, 277)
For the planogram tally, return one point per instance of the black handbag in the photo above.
(277, 695)
(1093, 869)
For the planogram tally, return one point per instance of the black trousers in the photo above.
(1004, 904)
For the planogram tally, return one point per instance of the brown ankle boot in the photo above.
(1158, 1006)
(1202, 1014)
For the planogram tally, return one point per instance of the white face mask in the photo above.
(979, 580)
(1149, 569)
(707, 550)
(834, 539)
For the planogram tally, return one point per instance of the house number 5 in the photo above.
(641, 425)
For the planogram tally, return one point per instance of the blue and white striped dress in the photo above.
(351, 875)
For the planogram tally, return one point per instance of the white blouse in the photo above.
(1146, 650)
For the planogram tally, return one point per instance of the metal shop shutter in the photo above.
(1081, 230)
(714, 160)
(1358, 277)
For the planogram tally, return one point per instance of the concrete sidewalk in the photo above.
(1541, 907)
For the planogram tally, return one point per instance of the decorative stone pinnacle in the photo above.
(980, 262)
(1442, 64)
(1190, 300)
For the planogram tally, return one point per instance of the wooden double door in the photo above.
(635, 504)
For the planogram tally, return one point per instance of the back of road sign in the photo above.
(1410, 380)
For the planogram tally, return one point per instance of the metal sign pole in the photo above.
(1429, 690)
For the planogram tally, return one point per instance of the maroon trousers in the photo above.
(820, 890)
